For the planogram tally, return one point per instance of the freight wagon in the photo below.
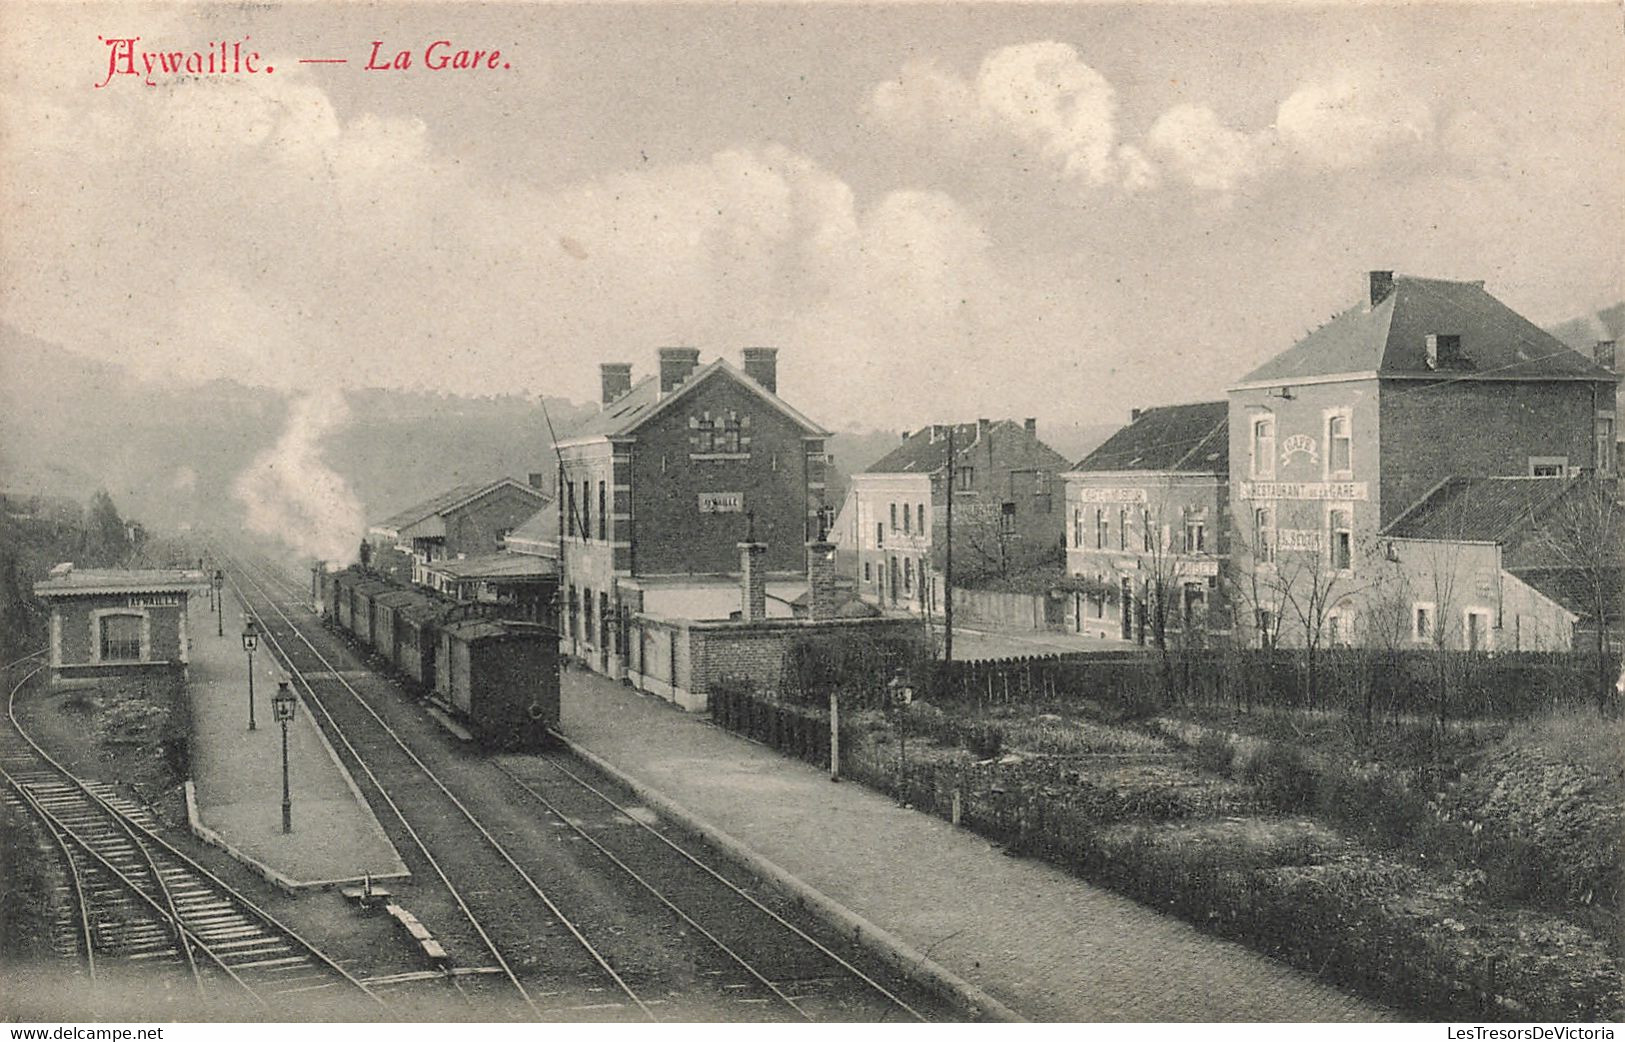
(501, 677)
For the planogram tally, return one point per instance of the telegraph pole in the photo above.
(948, 567)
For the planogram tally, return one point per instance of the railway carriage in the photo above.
(502, 677)
(365, 613)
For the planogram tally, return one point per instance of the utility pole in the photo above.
(948, 564)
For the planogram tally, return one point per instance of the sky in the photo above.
(933, 211)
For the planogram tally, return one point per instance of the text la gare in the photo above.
(439, 56)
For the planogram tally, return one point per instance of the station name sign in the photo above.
(722, 502)
(1342, 490)
(1090, 494)
(155, 600)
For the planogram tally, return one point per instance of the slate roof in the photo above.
(631, 410)
(496, 566)
(926, 450)
(1192, 438)
(1478, 509)
(1571, 587)
(120, 580)
(1391, 339)
(540, 531)
(451, 500)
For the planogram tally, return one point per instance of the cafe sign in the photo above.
(1095, 494)
(1304, 490)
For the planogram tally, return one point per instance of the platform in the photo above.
(237, 773)
(1043, 944)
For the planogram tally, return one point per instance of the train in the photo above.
(498, 676)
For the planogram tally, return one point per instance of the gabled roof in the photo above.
(1191, 438)
(1390, 339)
(539, 532)
(454, 498)
(1478, 510)
(1572, 588)
(622, 417)
(926, 450)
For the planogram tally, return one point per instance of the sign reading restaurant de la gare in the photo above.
(1341, 490)
(722, 502)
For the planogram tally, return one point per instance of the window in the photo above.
(1338, 633)
(586, 510)
(1264, 534)
(121, 638)
(1195, 536)
(1077, 529)
(1264, 447)
(1548, 466)
(1339, 446)
(730, 440)
(1040, 482)
(1605, 444)
(570, 515)
(966, 478)
(1146, 530)
(1195, 603)
(1264, 621)
(906, 525)
(920, 517)
(603, 620)
(908, 575)
(575, 610)
(894, 517)
(1476, 624)
(1122, 528)
(1422, 622)
(1007, 518)
(868, 572)
(1340, 526)
(880, 534)
(603, 515)
(1102, 529)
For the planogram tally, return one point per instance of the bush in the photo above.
(1283, 777)
(984, 740)
(1215, 752)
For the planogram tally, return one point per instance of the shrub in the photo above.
(1215, 752)
(1283, 777)
(984, 740)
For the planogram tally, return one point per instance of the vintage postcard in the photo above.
(761, 513)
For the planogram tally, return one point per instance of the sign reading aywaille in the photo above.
(1303, 490)
(722, 502)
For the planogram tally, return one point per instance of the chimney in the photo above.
(1605, 353)
(1030, 424)
(616, 380)
(983, 425)
(534, 479)
(821, 596)
(1135, 414)
(1382, 284)
(762, 365)
(752, 582)
(675, 365)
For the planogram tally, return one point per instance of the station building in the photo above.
(467, 521)
(114, 622)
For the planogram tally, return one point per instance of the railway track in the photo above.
(743, 959)
(140, 910)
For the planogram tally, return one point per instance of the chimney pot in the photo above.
(615, 379)
(1382, 284)
(983, 425)
(1135, 414)
(762, 365)
(1031, 425)
(1605, 354)
(676, 363)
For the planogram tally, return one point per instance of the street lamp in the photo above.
(220, 605)
(251, 641)
(282, 707)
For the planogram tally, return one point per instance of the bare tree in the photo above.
(1583, 534)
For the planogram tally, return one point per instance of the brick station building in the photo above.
(470, 520)
(1335, 438)
(663, 490)
(113, 622)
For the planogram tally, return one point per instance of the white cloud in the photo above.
(1348, 122)
(1202, 150)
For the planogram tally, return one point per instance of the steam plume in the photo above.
(291, 494)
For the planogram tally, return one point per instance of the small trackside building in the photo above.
(115, 622)
(467, 521)
(1146, 537)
